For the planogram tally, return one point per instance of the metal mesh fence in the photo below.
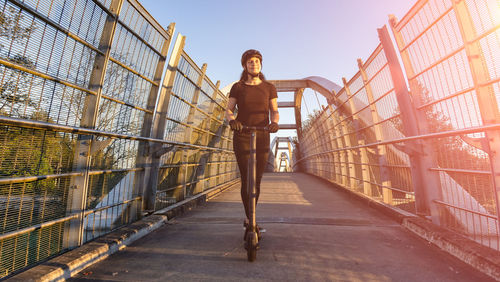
(430, 151)
(195, 116)
(79, 87)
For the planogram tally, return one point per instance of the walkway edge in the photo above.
(481, 258)
(484, 259)
(72, 262)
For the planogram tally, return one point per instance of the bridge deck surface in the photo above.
(314, 233)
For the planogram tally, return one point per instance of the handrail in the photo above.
(79, 130)
(448, 133)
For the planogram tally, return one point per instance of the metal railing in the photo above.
(91, 136)
(431, 150)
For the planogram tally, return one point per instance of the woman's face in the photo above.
(253, 65)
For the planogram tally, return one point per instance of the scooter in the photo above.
(251, 233)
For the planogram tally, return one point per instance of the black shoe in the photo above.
(246, 232)
(245, 225)
(259, 230)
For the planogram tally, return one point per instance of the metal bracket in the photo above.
(163, 150)
(411, 148)
(85, 137)
(479, 143)
(357, 126)
(356, 152)
(97, 146)
(384, 172)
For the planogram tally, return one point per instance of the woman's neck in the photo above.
(253, 80)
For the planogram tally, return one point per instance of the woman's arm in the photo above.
(275, 115)
(231, 104)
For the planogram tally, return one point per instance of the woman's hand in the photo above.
(273, 127)
(235, 125)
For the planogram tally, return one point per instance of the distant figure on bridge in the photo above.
(256, 99)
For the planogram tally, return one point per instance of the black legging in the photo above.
(241, 146)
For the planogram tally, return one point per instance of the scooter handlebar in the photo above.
(255, 128)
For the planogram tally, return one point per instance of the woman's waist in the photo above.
(254, 121)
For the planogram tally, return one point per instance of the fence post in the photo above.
(160, 119)
(297, 100)
(190, 179)
(381, 152)
(331, 143)
(73, 231)
(365, 161)
(426, 183)
(144, 155)
(347, 137)
(216, 139)
(342, 178)
(483, 86)
(289, 143)
(323, 132)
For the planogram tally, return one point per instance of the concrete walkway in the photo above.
(314, 233)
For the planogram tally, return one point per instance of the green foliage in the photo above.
(453, 152)
(15, 83)
(31, 152)
(310, 119)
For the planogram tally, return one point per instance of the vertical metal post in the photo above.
(333, 141)
(73, 231)
(158, 131)
(297, 97)
(144, 156)
(252, 174)
(332, 145)
(324, 145)
(426, 183)
(350, 154)
(297, 100)
(211, 110)
(488, 105)
(385, 180)
(189, 133)
(194, 102)
(342, 179)
(217, 137)
(365, 168)
(276, 146)
(321, 135)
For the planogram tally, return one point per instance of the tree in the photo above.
(456, 152)
(11, 27)
(15, 83)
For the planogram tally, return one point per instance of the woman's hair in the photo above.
(244, 76)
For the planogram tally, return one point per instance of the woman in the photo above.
(256, 99)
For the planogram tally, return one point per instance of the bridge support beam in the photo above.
(189, 176)
(150, 190)
(365, 168)
(488, 105)
(145, 154)
(74, 229)
(426, 183)
(383, 173)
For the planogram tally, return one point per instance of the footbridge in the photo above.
(116, 162)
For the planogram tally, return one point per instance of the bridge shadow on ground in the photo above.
(315, 232)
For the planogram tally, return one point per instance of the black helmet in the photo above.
(249, 54)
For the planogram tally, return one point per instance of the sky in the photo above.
(297, 38)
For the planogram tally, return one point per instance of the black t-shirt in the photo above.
(253, 102)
